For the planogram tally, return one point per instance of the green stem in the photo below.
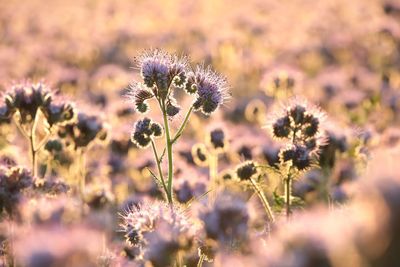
(32, 137)
(264, 200)
(288, 193)
(201, 260)
(82, 173)
(213, 169)
(169, 154)
(160, 171)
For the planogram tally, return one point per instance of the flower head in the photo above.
(246, 170)
(216, 139)
(138, 93)
(298, 121)
(26, 99)
(144, 131)
(160, 70)
(211, 89)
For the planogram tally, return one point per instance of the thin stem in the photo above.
(201, 260)
(263, 199)
(160, 171)
(213, 170)
(288, 193)
(43, 142)
(32, 137)
(21, 129)
(82, 173)
(169, 153)
(183, 125)
(179, 259)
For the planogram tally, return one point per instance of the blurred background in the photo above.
(341, 55)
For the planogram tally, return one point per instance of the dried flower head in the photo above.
(144, 131)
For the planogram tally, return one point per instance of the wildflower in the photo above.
(281, 128)
(226, 221)
(14, 180)
(144, 131)
(157, 230)
(300, 125)
(299, 122)
(57, 113)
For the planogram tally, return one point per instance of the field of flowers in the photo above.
(200, 133)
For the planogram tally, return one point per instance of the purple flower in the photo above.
(211, 89)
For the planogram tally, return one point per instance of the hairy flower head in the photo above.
(211, 89)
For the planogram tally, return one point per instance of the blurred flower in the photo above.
(227, 220)
(14, 181)
(158, 230)
(84, 131)
(59, 247)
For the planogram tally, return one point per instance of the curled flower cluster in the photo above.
(144, 131)
(26, 99)
(300, 124)
(210, 88)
